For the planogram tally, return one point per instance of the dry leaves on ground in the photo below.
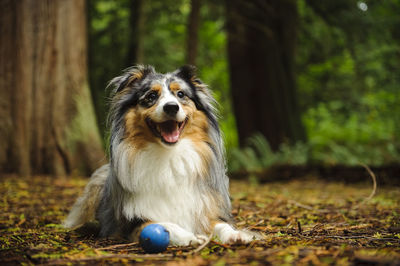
(303, 222)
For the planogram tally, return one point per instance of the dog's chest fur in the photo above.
(162, 185)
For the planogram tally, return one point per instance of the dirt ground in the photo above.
(308, 222)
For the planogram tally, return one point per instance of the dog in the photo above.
(167, 162)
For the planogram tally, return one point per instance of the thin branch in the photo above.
(363, 237)
(118, 246)
(301, 205)
(199, 248)
(255, 225)
(373, 180)
(307, 207)
(221, 244)
(117, 256)
(299, 227)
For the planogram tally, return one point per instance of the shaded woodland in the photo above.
(317, 82)
(308, 94)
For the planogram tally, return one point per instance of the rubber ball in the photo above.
(154, 238)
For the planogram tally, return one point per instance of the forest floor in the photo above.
(304, 222)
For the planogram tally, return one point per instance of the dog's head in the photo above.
(151, 107)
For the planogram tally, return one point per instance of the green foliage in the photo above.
(164, 44)
(347, 81)
(339, 138)
(327, 148)
(346, 66)
(213, 66)
(164, 33)
(108, 25)
(258, 156)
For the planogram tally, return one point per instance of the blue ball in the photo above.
(154, 238)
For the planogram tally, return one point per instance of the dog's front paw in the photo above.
(201, 239)
(187, 239)
(241, 237)
(181, 237)
(228, 235)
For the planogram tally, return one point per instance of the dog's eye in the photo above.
(180, 94)
(151, 96)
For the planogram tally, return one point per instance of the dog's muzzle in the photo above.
(169, 131)
(171, 108)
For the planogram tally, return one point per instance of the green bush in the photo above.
(258, 155)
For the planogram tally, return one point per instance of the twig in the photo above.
(356, 237)
(289, 224)
(118, 256)
(364, 237)
(199, 248)
(255, 225)
(373, 180)
(301, 205)
(307, 207)
(316, 227)
(299, 227)
(118, 246)
(130, 256)
(221, 244)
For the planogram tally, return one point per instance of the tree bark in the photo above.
(261, 49)
(136, 25)
(47, 122)
(192, 32)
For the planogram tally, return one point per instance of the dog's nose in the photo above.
(171, 108)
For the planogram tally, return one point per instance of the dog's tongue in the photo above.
(170, 131)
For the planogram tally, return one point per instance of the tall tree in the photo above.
(261, 49)
(192, 32)
(47, 122)
(136, 27)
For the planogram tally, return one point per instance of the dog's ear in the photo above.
(202, 97)
(130, 76)
(186, 72)
(189, 74)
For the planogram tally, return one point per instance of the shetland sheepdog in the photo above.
(167, 163)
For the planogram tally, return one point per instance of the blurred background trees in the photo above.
(318, 81)
(302, 82)
(262, 38)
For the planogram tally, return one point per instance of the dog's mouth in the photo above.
(169, 131)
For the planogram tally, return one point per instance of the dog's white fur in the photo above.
(167, 97)
(162, 191)
(163, 187)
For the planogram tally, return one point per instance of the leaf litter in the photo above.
(302, 222)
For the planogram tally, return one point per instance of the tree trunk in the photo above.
(192, 32)
(261, 48)
(47, 122)
(136, 26)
